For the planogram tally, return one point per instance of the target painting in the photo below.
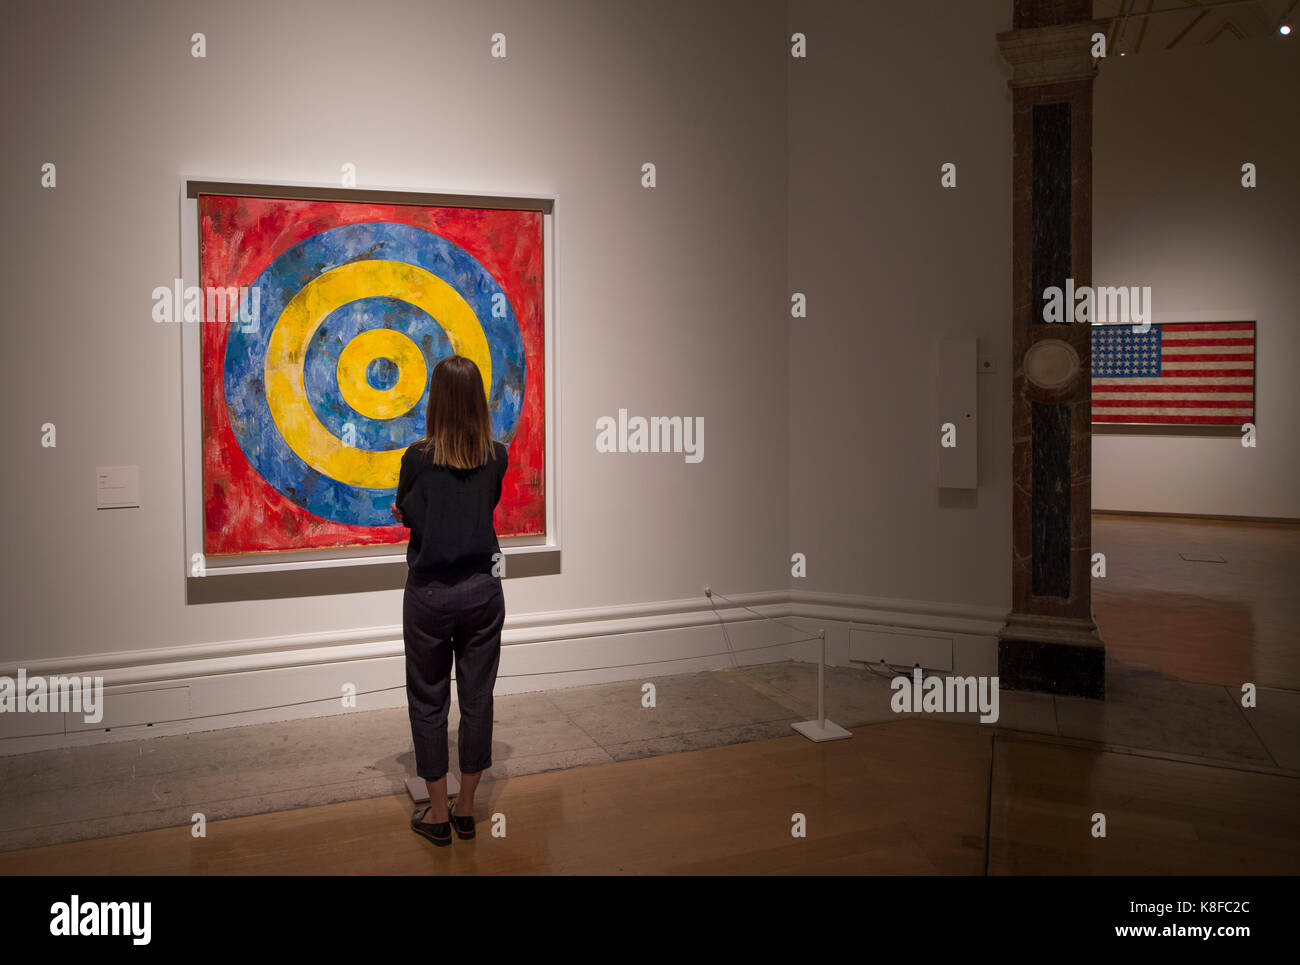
(308, 407)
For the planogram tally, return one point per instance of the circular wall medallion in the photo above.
(1051, 363)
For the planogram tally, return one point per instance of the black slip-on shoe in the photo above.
(464, 825)
(439, 834)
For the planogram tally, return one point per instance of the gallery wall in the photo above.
(671, 300)
(775, 174)
(891, 262)
(1172, 129)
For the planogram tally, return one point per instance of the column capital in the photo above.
(1051, 55)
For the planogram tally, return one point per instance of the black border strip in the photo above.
(297, 192)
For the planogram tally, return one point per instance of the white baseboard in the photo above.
(240, 682)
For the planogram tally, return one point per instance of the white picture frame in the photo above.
(542, 552)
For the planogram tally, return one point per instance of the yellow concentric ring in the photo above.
(412, 374)
(286, 353)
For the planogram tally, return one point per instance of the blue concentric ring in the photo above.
(280, 281)
(320, 369)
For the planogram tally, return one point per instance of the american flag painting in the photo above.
(1188, 373)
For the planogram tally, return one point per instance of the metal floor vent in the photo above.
(1202, 557)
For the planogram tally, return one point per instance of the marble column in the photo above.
(1050, 642)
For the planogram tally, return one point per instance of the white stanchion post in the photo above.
(821, 679)
(821, 729)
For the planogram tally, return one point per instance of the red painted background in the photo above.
(240, 237)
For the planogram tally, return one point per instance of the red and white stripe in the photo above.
(1208, 378)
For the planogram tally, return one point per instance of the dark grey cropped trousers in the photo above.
(439, 620)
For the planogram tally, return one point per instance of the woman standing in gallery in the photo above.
(448, 487)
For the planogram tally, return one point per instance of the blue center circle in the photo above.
(381, 373)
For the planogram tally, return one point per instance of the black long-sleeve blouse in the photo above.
(449, 512)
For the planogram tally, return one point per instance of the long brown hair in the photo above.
(457, 428)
